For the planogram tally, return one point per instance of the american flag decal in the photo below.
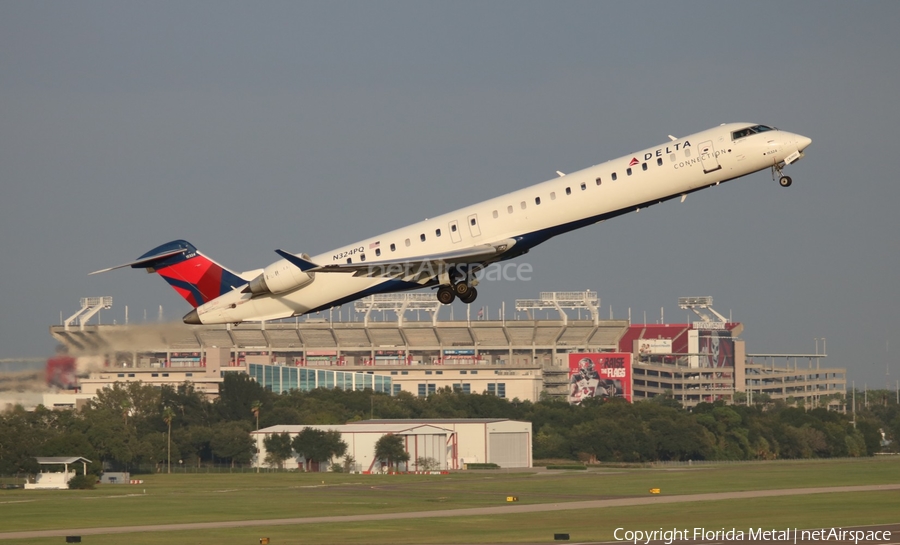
(375, 244)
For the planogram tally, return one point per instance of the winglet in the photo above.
(299, 262)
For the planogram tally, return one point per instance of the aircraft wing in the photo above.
(410, 269)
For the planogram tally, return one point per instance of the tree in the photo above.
(255, 408)
(231, 441)
(168, 415)
(424, 463)
(278, 449)
(348, 464)
(390, 448)
(237, 394)
(318, 446)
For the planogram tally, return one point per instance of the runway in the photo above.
(478, 511)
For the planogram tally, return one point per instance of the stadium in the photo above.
(556, 345)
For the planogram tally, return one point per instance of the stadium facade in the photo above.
(520, 359)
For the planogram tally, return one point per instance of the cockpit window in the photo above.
(743, 133)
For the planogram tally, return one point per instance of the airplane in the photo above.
(446, 252)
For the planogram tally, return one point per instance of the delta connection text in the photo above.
(791, 535)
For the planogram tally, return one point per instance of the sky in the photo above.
(248, 126)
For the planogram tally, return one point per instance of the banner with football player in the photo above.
(599, 374)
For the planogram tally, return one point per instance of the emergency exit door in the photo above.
(708, 157)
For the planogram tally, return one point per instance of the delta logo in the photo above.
(633, 162)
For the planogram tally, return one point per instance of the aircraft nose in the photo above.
(192, 318)
(802, 142)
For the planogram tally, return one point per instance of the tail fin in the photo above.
(193, 275)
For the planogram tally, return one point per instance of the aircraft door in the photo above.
(708, 157)
(454, 231)
(473, 226)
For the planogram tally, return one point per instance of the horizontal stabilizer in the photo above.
(146, 261)
(301, 263)
(193, 275)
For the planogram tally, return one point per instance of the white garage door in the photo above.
(508, 449)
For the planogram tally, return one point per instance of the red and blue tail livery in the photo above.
(193, 275)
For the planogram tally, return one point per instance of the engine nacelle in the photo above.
(280, 277)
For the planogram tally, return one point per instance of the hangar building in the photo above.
(450, 443)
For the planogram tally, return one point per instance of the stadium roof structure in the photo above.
(299, 336)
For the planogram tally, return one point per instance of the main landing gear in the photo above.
(783, 181)
(465, 292)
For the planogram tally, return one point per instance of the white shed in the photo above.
(56, 480)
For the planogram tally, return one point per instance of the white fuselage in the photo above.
(529, 216)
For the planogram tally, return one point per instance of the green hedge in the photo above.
(83, 482)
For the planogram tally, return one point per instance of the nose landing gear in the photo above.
(783, 181)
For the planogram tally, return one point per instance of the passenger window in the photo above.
(643, 166)
(522, 205)
(628, 172)
(598, 181)
(509, 209)
(349, 260)
(407, 243)
(362, 257)
(687, 152)
(453, 228)
(393, 247)
(568, 191)
(659, 161)
(422, 237)
(472, 221)
(437, 232)
(496, 215)
(583, 186)
(377, 252)
(537, 200)
(614, 176)
(553, 195)
(672, 157)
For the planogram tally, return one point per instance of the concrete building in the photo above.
(705, 360)
(450, 443)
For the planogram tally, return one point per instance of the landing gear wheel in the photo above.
(783, 181)
(445, 295)
(461, 289)
(469, 297)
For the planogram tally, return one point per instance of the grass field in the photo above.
(219, 497)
